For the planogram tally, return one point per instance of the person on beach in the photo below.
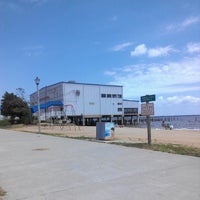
(167, 125)
(163, 124)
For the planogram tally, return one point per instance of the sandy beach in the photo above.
(123, 134)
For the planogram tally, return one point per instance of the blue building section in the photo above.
(46, 105)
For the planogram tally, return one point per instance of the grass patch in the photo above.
(168, 148)
(2, 192)
(4, 123)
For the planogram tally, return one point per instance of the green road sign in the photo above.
(148, 98)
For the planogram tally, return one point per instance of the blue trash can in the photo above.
(105, 130)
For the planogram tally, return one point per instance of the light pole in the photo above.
(37, 82)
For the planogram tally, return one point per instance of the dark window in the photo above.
(114, 95)
(119, 96)
(130, 110)
(119, 109)
(108, 95)
(103, 95)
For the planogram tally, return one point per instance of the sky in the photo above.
(148, 47)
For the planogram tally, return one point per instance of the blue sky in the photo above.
(149, 47)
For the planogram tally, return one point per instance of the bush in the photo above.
(4, 123)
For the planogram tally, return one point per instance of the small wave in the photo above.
(193, 129)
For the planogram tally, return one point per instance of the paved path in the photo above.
(43, 167)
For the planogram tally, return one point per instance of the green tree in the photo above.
(21, 93)
(16, 108)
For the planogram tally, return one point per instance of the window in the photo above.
(119, 109)
(108, 95)
(103, 95)
(114, 95)
(119, 103)
(130, 110)
(119, 96)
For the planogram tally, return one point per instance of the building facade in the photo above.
(84, 103)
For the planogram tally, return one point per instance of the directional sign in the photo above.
(148, 98)
(147, 109)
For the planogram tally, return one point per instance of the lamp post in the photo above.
(37, 82)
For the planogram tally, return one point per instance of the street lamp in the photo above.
(37, 82)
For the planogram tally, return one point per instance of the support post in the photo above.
(83, 120)
(148, 110)
(149, 129)
(38, 102)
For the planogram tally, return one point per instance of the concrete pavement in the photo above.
(43, 167)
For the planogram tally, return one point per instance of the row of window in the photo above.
(93, 103)
(130, 110)
(111, 95)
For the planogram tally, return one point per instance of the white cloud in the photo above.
(110, 73)
(122, 46)
(179, 99)
(34, 2)
(158, 78)
(184, 24)
(160, 51)
(189, 21)
(17, 6)
(193, 47)
(177, 104)
(13, 6)
(152, 52)
(139, 50)
(33, 50)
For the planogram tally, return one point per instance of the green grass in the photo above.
(4, 123)
(169, 148)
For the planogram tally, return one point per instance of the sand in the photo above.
(123, 134)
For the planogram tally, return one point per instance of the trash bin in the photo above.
(105, 130)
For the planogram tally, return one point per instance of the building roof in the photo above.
(74, 82)
(98, 84)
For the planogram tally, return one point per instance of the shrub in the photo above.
(4, 123)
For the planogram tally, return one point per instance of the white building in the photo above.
(84, 102)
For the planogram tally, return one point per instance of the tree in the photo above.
(21, 93)
(16, 107)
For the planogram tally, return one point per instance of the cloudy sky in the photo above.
(149, 47)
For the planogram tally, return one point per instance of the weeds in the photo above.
(169, 148)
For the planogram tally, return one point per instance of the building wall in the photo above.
(88, 100)
(73, 99)
(130, 107)
(111, 100)
(48, 93)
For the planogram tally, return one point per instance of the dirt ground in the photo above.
(123, 134)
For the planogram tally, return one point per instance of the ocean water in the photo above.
(178, 122)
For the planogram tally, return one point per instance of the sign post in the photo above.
(149, 129)
(147, 109)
